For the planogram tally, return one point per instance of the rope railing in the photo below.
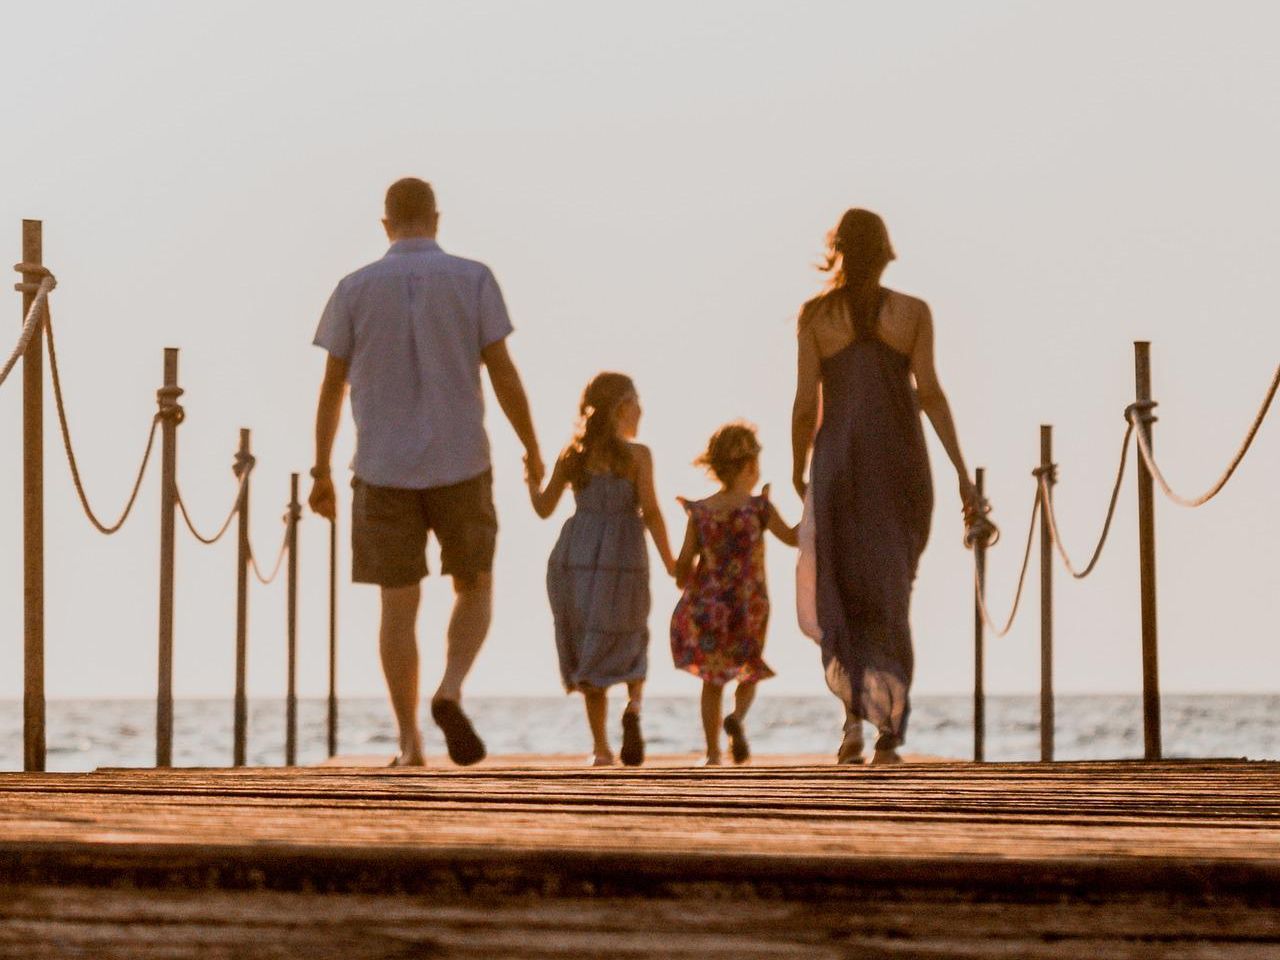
(209, 540)
(1141, 413)
(106, 529)
(980, 587)
(38, 282)
(1046, 479)
(268, 579)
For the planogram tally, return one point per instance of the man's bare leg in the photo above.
(468, 626)
(398, 643)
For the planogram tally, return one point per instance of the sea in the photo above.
(87, 734)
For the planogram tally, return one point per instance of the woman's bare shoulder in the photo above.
(908, 304)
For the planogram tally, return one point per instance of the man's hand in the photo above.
(322, 499)
(534, 470)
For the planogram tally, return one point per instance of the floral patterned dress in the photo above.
(718, 628)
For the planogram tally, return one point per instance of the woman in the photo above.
(872, 497)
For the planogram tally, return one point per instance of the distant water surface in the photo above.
(84, 734)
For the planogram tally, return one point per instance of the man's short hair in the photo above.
(410, 201)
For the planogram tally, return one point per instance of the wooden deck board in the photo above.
(521, 858)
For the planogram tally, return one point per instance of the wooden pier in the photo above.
(528, 858)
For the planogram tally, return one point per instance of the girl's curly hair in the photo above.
(730, 449)
(596, 445)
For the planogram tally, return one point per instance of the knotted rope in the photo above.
(1141, 413)
(35, 313)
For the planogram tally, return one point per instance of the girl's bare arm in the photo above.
(649, 505)
(687, 562)
(545, 500)
(778, 527)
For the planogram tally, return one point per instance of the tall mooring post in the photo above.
(170, 416)
(979, 635)
(333, 638)
(33, 707)
(243, 468)
(1047, 479)
(1147, 557)
(291, 695)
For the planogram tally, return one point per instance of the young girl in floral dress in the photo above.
(598, 574)
(718, 628)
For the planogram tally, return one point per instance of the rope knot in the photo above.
(1046, 474)
(244, 463)
(1141, 411)
(46, 280)
(293, 513)
(170, 409)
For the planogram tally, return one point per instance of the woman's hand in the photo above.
(970, 499)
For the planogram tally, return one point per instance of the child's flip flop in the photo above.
(465, 746)
(632, 752)
(738, 745)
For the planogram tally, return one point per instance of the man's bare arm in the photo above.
(333, 390)
(514, 403)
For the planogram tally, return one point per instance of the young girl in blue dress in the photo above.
(598, 574)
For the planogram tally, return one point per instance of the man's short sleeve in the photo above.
(336, 333)
(495, 324)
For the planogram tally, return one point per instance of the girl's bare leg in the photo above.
(712, 710)
(596, 700)
(743, 697)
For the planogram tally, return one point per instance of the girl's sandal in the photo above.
(632, 752)
(738, 746)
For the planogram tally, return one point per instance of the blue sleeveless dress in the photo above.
(873, 502)
(598, 585)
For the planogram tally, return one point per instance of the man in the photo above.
(409, 333)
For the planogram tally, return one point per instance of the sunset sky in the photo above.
(651, 184)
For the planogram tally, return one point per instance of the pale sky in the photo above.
(651, 185)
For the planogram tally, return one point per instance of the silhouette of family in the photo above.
(408, 335)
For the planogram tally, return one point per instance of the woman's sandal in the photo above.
(632, 752)
(738, 746)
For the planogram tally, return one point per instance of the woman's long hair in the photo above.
(596, 446)
(858, 250)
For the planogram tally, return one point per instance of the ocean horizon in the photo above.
(84, 734)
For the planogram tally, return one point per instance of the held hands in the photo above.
(533, 469)
(797, 481)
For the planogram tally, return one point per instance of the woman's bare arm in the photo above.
(545, 500)
(933, 401)
(687, 562)
(804, 411)
(649, 505)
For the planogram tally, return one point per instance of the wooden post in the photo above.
(243, 463)
(291, 696)
(33, 707)
(1046, 600)
(333, 638)
(171, 416)
(1147, 560)
(979, 638)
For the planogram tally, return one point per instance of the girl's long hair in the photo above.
(596, 446)
(858, 250)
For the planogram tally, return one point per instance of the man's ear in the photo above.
(386, 225)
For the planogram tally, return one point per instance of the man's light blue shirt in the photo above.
(411, 327)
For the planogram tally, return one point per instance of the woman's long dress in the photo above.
(872, 504)
(598, 585)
